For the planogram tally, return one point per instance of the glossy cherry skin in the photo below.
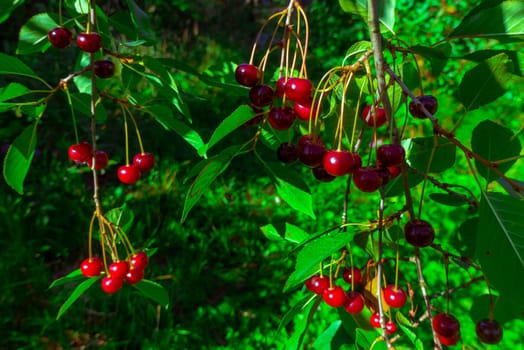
(449, 341)
(374, 319)
(428, 101)
(119, 269)
(281, 86)
(354, 303)
(138, 261)
(128, 174)
(304, 112)
(419, 233)
(390, 327)
(111, 285)
(89, 42)
(395, 297)
(104, 68)
(338, 162)
(353, 275)
(261, 95)
(287, 152)
(446, 325)
(134, 276)
(322, 175)
(80, 152)
(367, 179)
(390, 155)
(91, 267)
(489, 331)
(335, 296)
(144, 161)
(369, 118)
(60, 37)
(247, 74)
(101, 160)
(317, 284)
(281, 118)
(298, 89)
(311, 150)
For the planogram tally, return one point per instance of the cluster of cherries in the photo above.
(130, 271)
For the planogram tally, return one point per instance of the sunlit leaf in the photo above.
(300, 324)
(73, 276)
(295, 310)
(386, 11)
(12, 65)
(153, 291)
(33, 34)
(77, 293)
(18, 158)
(122, 217)
(8, 6)
(419, 151)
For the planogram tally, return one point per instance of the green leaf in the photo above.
(82, 104)
(300, 324)
(12, 65)
(516, 57)
(487, 81)
(494, 142)
(33, 34)
(419, 152)
(504, 20)
(239, 116)
(290, 233)
(324, 340)
(386, 11)
(19, 157)
(122, 217)
(153, 291)
(165, 117)
(412, 336)
(209, 170)
(271, 233)
(142, 23)
(500, 243)
(295, 310)
(77, 292)
(73, 276)
(447, 199)
(11, 91)
(7, 7)
(437, 55)
(81, 7)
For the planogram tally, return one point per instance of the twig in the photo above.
(454, 289)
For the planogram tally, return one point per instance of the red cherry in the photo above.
(334, 296)
(322, 175)
(247, 74)
(449, 341)
(489, 331)
(369, 117)
(374, 319)
(390, 327)
(111, 285)
(261, 95)
(395, 297)
(446, 325)
(311, 150)
(134, 276)
(394, 171)
(80, 152)
(91, 267)
(357, 162)
(128, 174)
(281, 86)
(89, 42)
(354, 303)
(419, 233)
(338, 162)
(101, 160)
(352, 274)
(317, 284)
(429, 102)
(298, 89)
(144, 161)
(303, 110)
(139, 261)
(390, 155)
(367, 179)
(281, 118)
(60, 37)
(118, 269)
(287, 152)
(104, 69)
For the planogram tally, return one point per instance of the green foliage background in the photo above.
(225, 278)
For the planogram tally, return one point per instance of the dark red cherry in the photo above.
(311, 150)
(390, 155)
(281, 118)
(322, 175)
(299, 89)
(101, 160)
(489, 331)
(419, 233)
(80, 152)
(395, 297)
(428, 101)
(134, 276)
(446, 325)
(369, 117)
(317, 284)
(287, 152)
(334, 296)
(91, 267)
(354, 302)
(338, 162)
(247, 74)
(104, 68)
(281, 86)
(89, 42)
(367, 179)
(60, 37)
(138, 261)
(111, 285)
(353, 275)
(261, 95)
(144, 161)
(258, 116)
(357, 162)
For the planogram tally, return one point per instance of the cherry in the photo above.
(60, 37)
(334, 296)
(390, 327)
(317, 284)
(390, 155)
(367, 179)
(321, 174)
(429, 102)
(395, 297)
(247, 74)
(111, 284)
(303, 110)
(89, 42)
(357, 162)
(338, 162)
(352, 274)
(138, 261)
(449, 341)
(298, 89)
(489, 331)
(134, 276)
(369, 117)
(446, 325)
(281, 86)
(354, 302)
(287, 152)
(128, 174)
(394, 171)
(144, 161)
(419, 233)
(374, 319)
(80, 152)
(104, 68)
(311, 150)
(261, 95)
(259, 115)
(118, 269)
(101, 160)
(281, 118)
(91, 267)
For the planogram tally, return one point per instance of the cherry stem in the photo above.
(73, 115)
(90, 235)
(60, 22)
(426, 173)
(449, 291)
(126, 135)
(136, 129)
(446, 271)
